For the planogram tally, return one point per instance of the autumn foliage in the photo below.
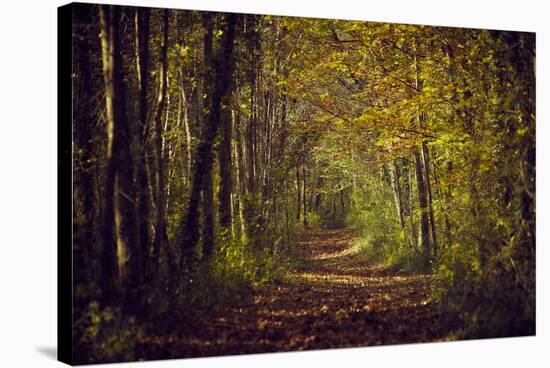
(247, 183)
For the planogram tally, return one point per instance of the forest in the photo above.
(252, 183)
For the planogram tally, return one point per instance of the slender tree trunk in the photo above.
(142, 25)
(395, 175)
(426, 167)
(423, 178)
(299, 194)
(443, 204)
(424, 228)
(304, 197)
(160, 227)
(221, 67)
(188, 134)
(411, 169)
(208, 236)
(119, 196)
(342, 202)
(406, 201)
(235, 173)
(85, 232)
(240, 169)
(225, 168)
(334, 209)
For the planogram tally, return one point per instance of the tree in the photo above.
(209, 143)
(121, 256)
(142, 26)
(221, 66)
(160, 229)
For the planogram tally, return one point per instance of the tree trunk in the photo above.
(304, 197)
(423, 169)
(395, 176)
(443, 199)
(424, 228)
(119, 195)
(84, 179)
(299, 194)
(225, 168)
(426, 169)
(334, 210)
(221, 66)
(240, 173)
(188, 134)
(342, 202)
(208, 236)
(160, 227)
(142, 25)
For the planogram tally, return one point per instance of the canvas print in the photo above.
(238, 183)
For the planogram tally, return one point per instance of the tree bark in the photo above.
(119, 195)
(423, 168)
(299, 195)
(304, 196)
(225, 168)
(240, 173)
(84, 179)
(188, 134)
(160, 227)
(395, 175)
(142, 25)
(424, 228)
(222, 67)
(426, 169)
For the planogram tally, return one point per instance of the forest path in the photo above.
(335, 300)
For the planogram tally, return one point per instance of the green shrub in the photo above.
(105, 335)
(380, 237)
(368, 251)
(314, 220)
(483, 300)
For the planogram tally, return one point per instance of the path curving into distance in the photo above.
(336, 300)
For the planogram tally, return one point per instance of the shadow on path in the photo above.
(337, 300)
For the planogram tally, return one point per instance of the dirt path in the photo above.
(337, 300)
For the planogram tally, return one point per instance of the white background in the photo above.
(28, 183)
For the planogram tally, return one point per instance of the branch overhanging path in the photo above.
(214, 154)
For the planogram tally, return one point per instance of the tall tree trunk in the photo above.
(240, 172)
(225, 168)
(208, 212)
(299, 194)
(426, 167)
(188, 134)
(395, 176)
(208, 179)
(222, 67)
(411, 169)
(119, 195)
(424, 228)
(334, 210)
(252, 160)
(85, 180)
(443, 200)
(423, 169)
(304, 195)
(406, 201)
(160, 226)
(342, 203)
(142, 25)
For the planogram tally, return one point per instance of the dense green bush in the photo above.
(106, 335)
(483, 301)
(380, 237)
